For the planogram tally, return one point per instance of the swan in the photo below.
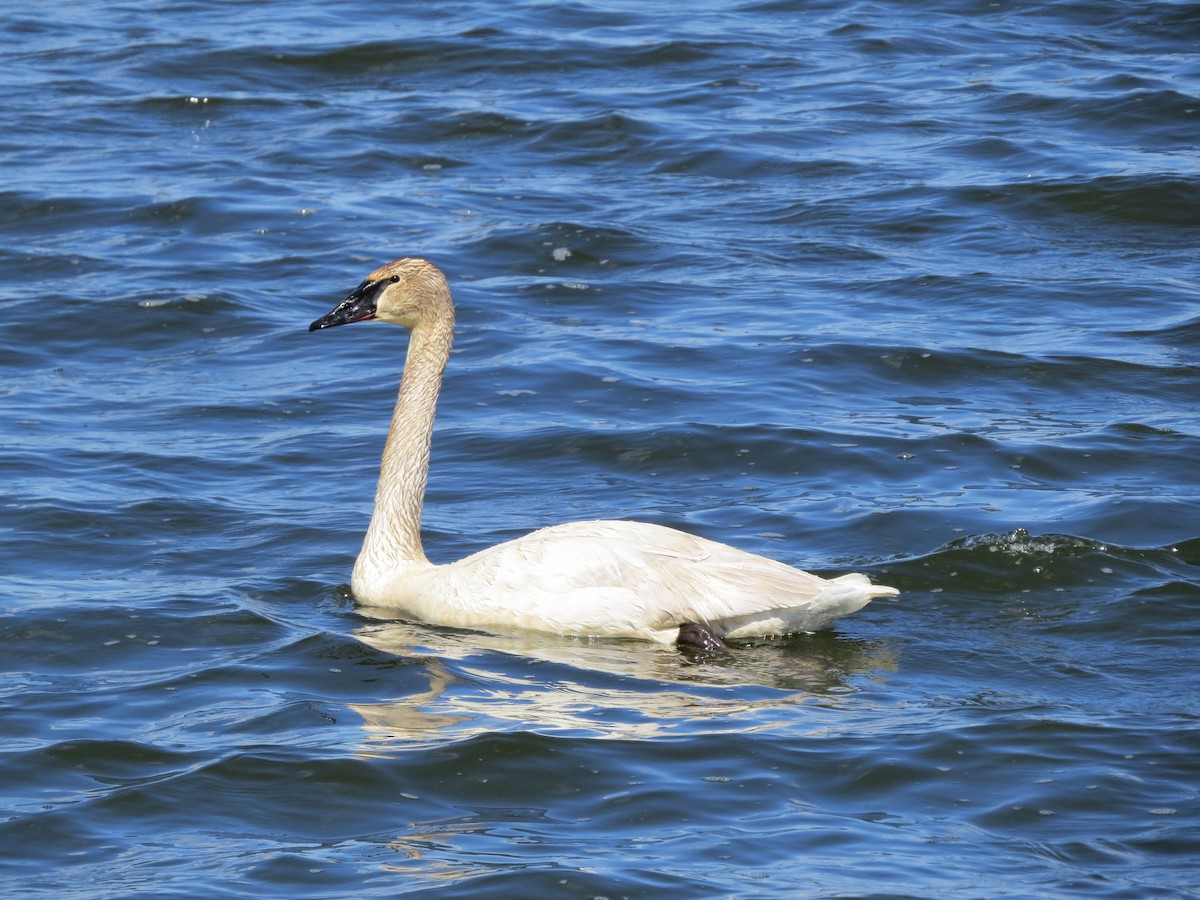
(592, 578)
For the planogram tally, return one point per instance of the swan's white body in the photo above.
(603, 578)
(619, 579)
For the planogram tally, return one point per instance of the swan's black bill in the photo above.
(358, 307)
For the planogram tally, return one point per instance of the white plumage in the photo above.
(603, 578)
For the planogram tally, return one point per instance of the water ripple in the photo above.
(903, 290)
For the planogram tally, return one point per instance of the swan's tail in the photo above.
(865, 584)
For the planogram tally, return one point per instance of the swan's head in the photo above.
(404, 292)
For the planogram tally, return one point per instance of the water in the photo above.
(900, 288)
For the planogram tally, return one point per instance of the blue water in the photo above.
(901, 288)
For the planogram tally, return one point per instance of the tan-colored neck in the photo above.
(394, 536)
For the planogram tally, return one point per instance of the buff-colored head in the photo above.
(404, 292)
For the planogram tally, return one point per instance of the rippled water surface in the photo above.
(901, 288)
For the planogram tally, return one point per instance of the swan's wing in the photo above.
(638, 579)
(743, 594)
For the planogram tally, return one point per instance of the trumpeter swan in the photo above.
(603, 578)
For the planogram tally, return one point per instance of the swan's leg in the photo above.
(696, 635)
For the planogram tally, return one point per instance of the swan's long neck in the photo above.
(394, 535)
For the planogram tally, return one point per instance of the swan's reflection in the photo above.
(485, 683)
